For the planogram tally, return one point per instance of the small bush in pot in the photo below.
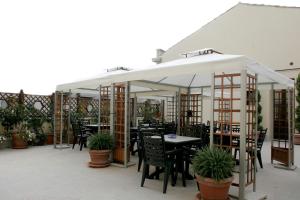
(100, 146)
(213, 168)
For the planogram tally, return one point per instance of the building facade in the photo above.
(265, 33)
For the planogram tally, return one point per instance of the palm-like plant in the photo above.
(214, 163)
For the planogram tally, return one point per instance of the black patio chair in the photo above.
(80, 134)
(133, 140)
(140, 143)
(156, 155)
(170, 128)
(190, 151)
(260, 141)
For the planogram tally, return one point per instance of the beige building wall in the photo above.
(267, 34)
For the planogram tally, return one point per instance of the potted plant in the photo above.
(35, 122)
(13, 121)
(21, 136)
(100, 146)
(3, 140)
(213, 168)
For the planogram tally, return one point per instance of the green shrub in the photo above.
(100, 141)
(213, 163)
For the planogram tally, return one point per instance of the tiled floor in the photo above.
(44, 173)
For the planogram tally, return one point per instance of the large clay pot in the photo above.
(99, 158)
(50, 139)
(213, 190)
(18, 142)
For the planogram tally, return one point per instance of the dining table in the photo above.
(176, 142)
(95, 127)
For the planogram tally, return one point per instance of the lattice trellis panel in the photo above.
(88, 107)
(227, 112)
(119, 101)
(171, 109)
(155, 108)
(37, 105)
(282, 149)
(73, 104)
(61, 117)
(190, 113)
(11, 99)
(105, 108)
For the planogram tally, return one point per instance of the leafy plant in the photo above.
(22, 131)
(11, 117)
(149, 113)
(100, 141)
(297, 120)
(40, 138)
(35, 121)
(214, 163)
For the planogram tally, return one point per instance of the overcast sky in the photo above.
(45, 43)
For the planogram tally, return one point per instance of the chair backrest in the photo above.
(141, 133)
(170, 128)
(205, 134)
(261, 138)
(154, 150)
(75, 128)
(236, 129)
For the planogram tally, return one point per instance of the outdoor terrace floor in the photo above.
(44, 173)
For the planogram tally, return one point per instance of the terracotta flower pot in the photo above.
(18, 142)
(213, 190)
(99, 158)
(50, 139)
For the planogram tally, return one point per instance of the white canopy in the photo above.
(193, 72)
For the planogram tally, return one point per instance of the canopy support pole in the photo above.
(201, 108)
(212, 103)
(272, 118)
(54, 120)
(61, 118)
(112, 111)
(188, 106)
(243, 108)
(178, 110)
(112, 116)
(134, 110)
(69, 116)
(256, 129)
(99, 110)
(289, 127)
(126, 120)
